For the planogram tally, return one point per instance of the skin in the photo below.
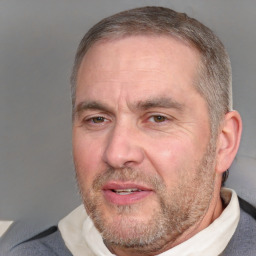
(139, 122)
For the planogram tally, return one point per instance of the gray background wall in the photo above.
(38, 40)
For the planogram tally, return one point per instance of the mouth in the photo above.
(119, 193)
(127, 191)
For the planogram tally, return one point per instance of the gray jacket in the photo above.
(50, 242)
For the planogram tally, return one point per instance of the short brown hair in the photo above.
(214, 71)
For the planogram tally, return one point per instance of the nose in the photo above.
(123, 148)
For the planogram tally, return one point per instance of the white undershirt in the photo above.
(82, 238)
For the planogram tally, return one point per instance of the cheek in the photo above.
(171, 158)
(87, 157)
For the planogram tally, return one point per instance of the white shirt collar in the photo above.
(82, 237)
(4, 225)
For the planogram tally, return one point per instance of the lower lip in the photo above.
(132, 198)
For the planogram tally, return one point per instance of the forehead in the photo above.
(138, 66)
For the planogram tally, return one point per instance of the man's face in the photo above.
(141, 140)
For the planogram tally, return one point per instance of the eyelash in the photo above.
(154, 119)
(158, 118)
(92, 120)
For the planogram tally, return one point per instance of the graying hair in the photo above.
(214, 71)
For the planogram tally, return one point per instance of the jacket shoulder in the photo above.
(46, 243)
(243, 241)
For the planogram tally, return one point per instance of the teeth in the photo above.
(125, 191)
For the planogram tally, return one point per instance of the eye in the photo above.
(157, 118)
(94, 121)
(97, 119)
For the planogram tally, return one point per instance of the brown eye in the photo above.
(159, 119)
(98, 119)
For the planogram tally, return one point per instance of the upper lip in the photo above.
(114, 185)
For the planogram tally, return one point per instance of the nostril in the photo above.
(126, 156)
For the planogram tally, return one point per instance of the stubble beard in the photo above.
(177, 210)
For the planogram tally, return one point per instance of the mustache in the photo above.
(126, 174)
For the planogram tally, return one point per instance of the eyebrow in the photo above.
(159, 102)
(93, 105)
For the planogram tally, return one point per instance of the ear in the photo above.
(228, 140)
